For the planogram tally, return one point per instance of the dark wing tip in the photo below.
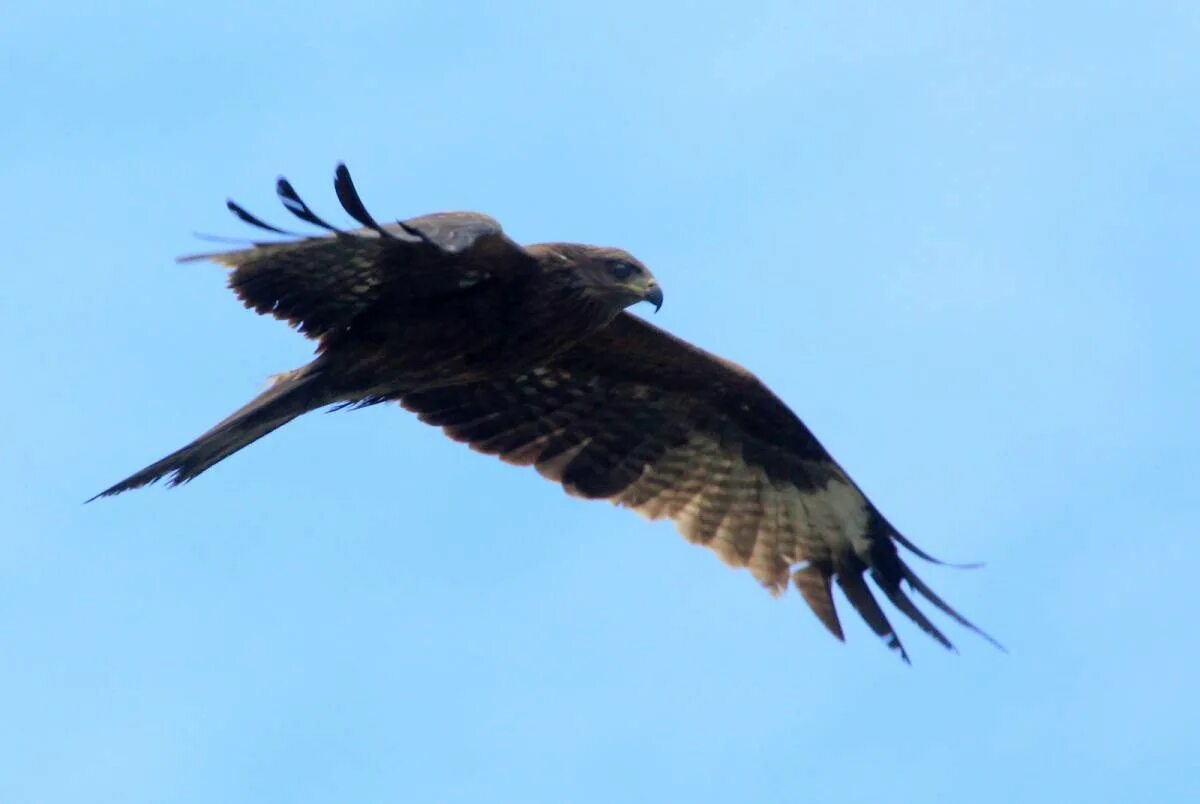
(917, 551)
(923, 589)
(813, 584)
(850, 579)
(891, 588)
(253, 220)
(295, 205)
(350, 200)
(889, 571)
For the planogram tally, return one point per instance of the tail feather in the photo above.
(290, 395)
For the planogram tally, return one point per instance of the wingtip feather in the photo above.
(813, 582)
(850, 580)
(917, 551)
(891, 588)
(350, 200)
(923, 589)
(295, 205)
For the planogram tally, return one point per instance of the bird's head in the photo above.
(610, 276)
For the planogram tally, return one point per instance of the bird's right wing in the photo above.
(321, 284)
(648, 421)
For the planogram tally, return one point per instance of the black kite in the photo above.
(527, 353)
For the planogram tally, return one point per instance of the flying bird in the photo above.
(528, 353)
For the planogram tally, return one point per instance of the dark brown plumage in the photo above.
(526, 353)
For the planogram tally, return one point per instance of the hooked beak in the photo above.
(654, 295)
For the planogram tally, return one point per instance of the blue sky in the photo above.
(959, 239)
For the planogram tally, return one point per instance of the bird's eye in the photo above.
(622, 270)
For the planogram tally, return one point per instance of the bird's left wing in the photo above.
(650, 422)
(320, 284)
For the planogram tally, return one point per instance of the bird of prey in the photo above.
(528, 353)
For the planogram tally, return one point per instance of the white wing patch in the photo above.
(839, 515)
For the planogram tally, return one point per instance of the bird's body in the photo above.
(527, 353)
(487, 328)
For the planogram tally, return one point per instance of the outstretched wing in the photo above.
(650, 422)
(321, 284)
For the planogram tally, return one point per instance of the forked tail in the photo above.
(291, 395)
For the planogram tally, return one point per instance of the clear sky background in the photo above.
(960, 239)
